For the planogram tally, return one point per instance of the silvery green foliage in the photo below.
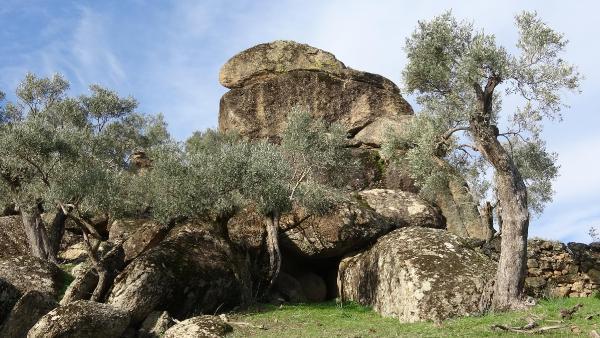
(318, 157)
(447, 59)
(213, 174)
(203, 179)
(60, 149)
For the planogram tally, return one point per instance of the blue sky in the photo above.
(167, 54)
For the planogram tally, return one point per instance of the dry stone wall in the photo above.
(558, 270)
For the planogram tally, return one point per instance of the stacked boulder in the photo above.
(268, 81)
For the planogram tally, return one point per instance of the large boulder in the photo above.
(270, 79)
(369, 215)
(192, 271)
(81, 319)
(26, 312)
(26, 273)
(201, 326)
(416, 274)
(31, 273)
(145, 237)
(13, 241)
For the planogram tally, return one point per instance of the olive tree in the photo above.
(68, 156)
(458, 74)
(213, 175)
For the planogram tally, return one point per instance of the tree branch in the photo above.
(451, 131)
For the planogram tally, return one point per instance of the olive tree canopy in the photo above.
(460, 76)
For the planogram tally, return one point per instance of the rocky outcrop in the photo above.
(81, 319)
(366, 216)
(201, 326)
(192, 271)
(13, 241)
(416, 274)
(371, 214)
(26, 312)
(270, 79)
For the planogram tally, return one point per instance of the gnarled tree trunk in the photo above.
(512, 196)
(36, 233)
(273, 247)
(56, 231)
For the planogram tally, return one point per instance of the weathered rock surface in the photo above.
(402, 208)
(460, 211)
(192, 271)
(155, 325)
(201, 326)
(270, 79)
(143, 238)
(26, 312)
(75, 253)
(13, 241)
(356, 223)
(26, 273)
(558, 270)
(81, 319)
(416, 274)
(375, 133)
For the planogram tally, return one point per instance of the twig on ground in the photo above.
(531, 327)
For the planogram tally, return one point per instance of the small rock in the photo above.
(201, 326)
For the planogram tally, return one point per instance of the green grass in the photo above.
(66, 278)
(351, 320)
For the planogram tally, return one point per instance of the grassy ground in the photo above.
(351, 320)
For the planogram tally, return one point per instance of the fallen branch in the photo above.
(531, 327)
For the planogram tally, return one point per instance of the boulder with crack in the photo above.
(192, 271)
(352, 225)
